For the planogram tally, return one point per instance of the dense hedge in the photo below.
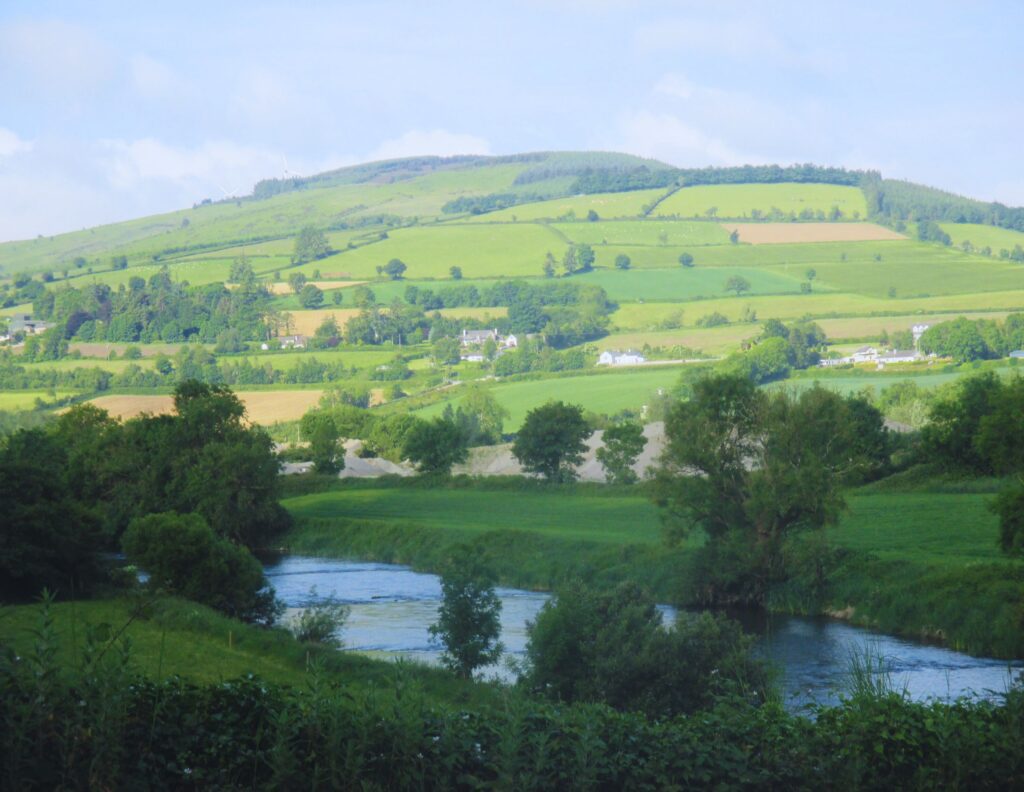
(109, 730)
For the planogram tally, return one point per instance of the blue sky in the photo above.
(109, 112)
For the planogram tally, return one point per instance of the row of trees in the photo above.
(964, 339)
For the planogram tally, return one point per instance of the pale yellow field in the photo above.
(867, 326)
(793, 233)
(475, 313)
(306, 322)
(262, 407)
(711, 341)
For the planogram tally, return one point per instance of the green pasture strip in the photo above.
(737, 200)
(981, 236)
(644, 232)
(714, 341)
(600, 392)
(70, 364)
(26, 400)
(607, 205)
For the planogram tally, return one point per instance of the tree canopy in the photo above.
(552, 441)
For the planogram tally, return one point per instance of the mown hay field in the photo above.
(737, 200)
(262, 407)
(795, 233)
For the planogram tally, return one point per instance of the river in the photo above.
(392, 607)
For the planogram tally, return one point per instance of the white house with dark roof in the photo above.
(615, 357)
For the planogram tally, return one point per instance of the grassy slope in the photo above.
(737, 200)
(190, 640)
(983, 236)
(917, 563)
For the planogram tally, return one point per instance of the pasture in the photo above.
(796, 233)
(736, 201)
(26, 399)
(261, 407)
(609, 206)
(983, 236)
(467, 513)
(602, 393)
(715, 341)
(644, 232)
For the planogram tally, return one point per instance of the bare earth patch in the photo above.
(783, 233)
(262, 407)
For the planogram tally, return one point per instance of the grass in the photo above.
(984, 236)
(601, 393)
(644, 232)
(737, 200)
(607, 205)
(177, 637)
(26, 400)
(713, 341)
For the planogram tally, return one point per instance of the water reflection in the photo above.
(392, 607)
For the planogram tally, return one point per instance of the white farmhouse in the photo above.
(613, 357)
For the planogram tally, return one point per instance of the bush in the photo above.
(182, 554)
(320, 622)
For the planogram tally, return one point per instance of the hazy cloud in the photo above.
(11, 144)
(673, 140)
(55, 55)
(436, 141)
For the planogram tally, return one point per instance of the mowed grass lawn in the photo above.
(595, 518)
(601, 393)
(737, 200)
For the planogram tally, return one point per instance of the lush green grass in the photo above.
(645, 232)
(678, 283)
(601, 393)
(711, 341)
(984, 236)
(607, 205)
(176, 637)
(26, 400)
(737, 200)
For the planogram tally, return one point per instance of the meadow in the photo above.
(984, 236)
(737, 200)
(26, 400)
(644, 232)
(599, 392)
(608, 206)
(790, 233)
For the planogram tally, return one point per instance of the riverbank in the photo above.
(922, 564)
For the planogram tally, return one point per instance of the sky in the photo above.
(114, 110)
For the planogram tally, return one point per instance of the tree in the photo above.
(1009, 507)
(468, 622)
(181, 553)
(749, 468)
(551, 441)
(323, 435)
(569, 263)
(622, 262)
(738, 284)
(811, 274)
(610, 646)
(296, 281)
(585, 257)
(455, 272)
(685, 260)
(446, 351)
(487, 414)
(337, 297)
(310, 244)
(394, 269)
(311, 297)
(734, 236)
(435, 445)
(549, 265)
(592, 216)
(623, 443)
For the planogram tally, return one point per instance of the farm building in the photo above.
(24, 323)
(292, 341)
(613, 357)
(473, 340)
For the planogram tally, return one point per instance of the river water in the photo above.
(392, 607)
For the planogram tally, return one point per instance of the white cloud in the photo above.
(11, 144)
(153, 79)
(55, 55)
(669, 138)
(221, 167)
(439, 142)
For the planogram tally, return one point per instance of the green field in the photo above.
(26, 400)
(644, 232)
(597, 518)
(607, 205)
(714, 341)
(983, 236)
(737, 200)
(601, 393)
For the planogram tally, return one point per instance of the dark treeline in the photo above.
(479, 204)
(72, 488)
(157, 310)
(979, 339)
(896, 201)
(613, 180)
